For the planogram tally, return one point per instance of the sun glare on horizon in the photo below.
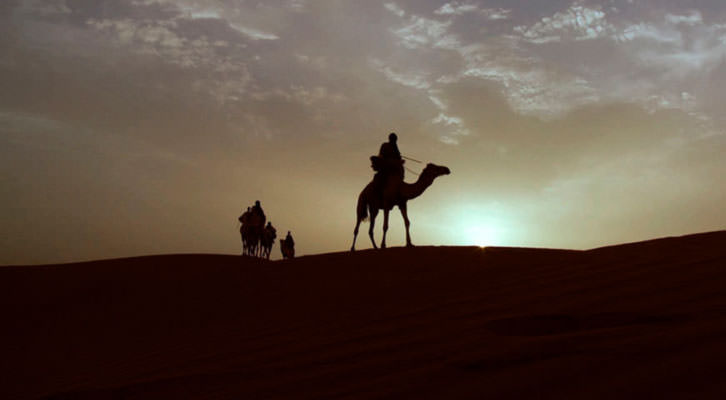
(481, 236)
(482, 225)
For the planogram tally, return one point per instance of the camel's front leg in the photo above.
(373, 214)
(404, 213)
(385, 227)
(355, 233)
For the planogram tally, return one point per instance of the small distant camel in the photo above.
(395, 193)
(287, 250)
(266, 241)
(251, 233)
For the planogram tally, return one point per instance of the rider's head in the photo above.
(392, 137)
(257, 203)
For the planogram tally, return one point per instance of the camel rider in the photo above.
(257, 210)
(389, 161)
(245, 216)
(389, 149)
(271, 229)
(288, 241)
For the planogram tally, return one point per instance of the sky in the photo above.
(135, 127)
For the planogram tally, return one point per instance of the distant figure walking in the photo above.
(268, 239)
(287, 246)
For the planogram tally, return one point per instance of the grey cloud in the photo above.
(456, 8)
(576, 23)
(576, 141)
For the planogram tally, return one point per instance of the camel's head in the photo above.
(435, 170)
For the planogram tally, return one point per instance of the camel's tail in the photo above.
(362, 209)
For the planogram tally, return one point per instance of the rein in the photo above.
(412, 159)
(411, 171)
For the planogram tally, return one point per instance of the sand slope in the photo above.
(643, 320)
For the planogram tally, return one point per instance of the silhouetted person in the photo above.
(389, 149)
(257, 210)
(287, 246)
(388, 162)
(245, 215)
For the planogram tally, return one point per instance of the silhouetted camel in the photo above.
(251, 232)
(287, 250)
(242, 230)
(267, 240)
(395, 193)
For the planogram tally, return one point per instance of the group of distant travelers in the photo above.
(258, 237)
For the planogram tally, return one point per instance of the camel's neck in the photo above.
(412, 190)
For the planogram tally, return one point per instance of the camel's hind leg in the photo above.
(355, 233)
(373, 215)
(385, 227)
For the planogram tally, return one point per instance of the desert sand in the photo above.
(641, 320)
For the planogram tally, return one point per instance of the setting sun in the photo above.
(481, 236)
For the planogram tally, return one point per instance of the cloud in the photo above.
(692, 18)
(576, 23)
(44, 8)
(455, 8)
(450, 128)
(410, 78)
(129, 31)
(395, 9)
(423, 32)
(254, 34)
(528, 87)
(649, 32)
(672, 55)
(496, 13)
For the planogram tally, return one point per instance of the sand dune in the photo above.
(642, 320)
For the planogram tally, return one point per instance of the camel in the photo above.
(287, 250)
(251, 233)
(267, 240)
(395, 193)
(250, 239)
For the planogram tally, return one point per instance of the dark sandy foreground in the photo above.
(644, 320)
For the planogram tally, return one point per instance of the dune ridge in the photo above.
(635, 320)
